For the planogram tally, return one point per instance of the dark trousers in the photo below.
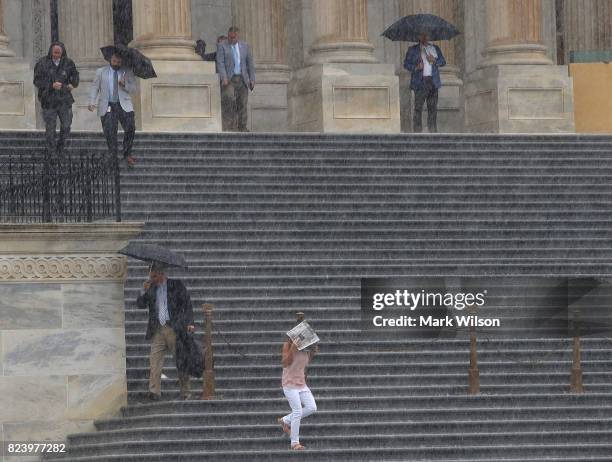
(234, 99)
(110, 125)
(50, 116)
(428, 92)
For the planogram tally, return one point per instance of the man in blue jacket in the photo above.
(423, 61)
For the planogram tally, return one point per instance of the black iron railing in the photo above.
(81, 188)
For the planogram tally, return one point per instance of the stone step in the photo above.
(179, 235)
(374, 345)
(492, 266)
(351, 197)
(390, 454)
(171, 391)
(354, 370)
(457, 380)
(391, 413)
(401, 210)
(366, 441)
(266, 171)
(132, 186)
(577, 214)
(315, 430)
(433, 402)
(322, 358)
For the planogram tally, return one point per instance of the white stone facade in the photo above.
(302, 47)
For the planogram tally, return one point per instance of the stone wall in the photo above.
(62, 334)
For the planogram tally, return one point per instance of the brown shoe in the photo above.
(286, 428)
(298, 447)
(131, 161)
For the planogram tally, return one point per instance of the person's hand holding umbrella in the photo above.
(153, 254)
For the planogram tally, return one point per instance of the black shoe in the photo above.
(153, 396)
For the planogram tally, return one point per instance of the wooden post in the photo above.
(576, 381)
(208, 387)
(473, 373)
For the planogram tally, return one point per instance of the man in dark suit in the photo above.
(170, 316)
(55, 76)
(423, 60)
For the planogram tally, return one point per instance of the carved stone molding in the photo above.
(62, 268)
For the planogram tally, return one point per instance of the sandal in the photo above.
(298, 447)
(286, 428)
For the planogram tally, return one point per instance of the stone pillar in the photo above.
(341, 31)
(85, 26)
(262, 26)
(587, 26)
(516, 88)
(162, 29)
(5, 51)
(185, 95)
(343, 88)
(514, 30)
(450, 107)
(62, 330)
(17, 110)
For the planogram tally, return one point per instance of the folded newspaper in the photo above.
(303, 335)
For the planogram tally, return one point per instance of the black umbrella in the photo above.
(132, 58)
(409, 28)
(153, 254)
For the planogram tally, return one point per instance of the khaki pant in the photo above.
(164, 339)
(234, 99)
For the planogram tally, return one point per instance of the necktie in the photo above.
(236, 59)
(115, 96)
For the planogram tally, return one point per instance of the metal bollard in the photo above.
(473, 373)
(576, 380)
(208, 386)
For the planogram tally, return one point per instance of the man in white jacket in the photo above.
(113, 85)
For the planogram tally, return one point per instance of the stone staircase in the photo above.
(274, 224)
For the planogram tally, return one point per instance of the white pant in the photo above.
(297, 397)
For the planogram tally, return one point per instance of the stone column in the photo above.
(5, 51)
(341, 31)
(450, 113)
(17, 110)
(185, 95)
(85, 26)
(262, 26)
(587, 26)
(162, 29)
(516, 87)
(514, 29)
(343, 89)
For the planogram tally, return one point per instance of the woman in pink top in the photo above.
(295, 389)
